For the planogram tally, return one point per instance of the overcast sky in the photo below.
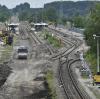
(33, 3)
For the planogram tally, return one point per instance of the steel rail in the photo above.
(68, 93)
(82, 94)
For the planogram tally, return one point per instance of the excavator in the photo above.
(96, 79)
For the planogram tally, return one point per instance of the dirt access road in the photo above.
(21, 84)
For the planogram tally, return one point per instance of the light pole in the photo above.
(95, 36)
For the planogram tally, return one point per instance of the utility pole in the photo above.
(98, 67)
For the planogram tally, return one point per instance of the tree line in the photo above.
(86, 14)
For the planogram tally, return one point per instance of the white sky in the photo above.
(33, 3)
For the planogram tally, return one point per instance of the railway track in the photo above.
(71, 87)
(69, 83)
(6, 94)
(81, 93)
(34, 38)
(26, 32)
(68, 41)
(72, 82)
(67, 80)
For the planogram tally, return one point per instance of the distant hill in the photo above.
(62, 9)
(4, 13)
(25, 12)
(59, 9)
(70, 8)
(56, 9)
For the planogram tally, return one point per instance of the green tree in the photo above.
(51, 14)
(93, 27)
(78, 21)
(4, 13)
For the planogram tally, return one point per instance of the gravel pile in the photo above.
(5, 71)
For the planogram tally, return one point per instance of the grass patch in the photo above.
(52, 39)
(6, 53)
(15, 40)
(85, 74)
(91, 58)
(52, 90)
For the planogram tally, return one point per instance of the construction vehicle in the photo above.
(96, 79)
(6, 37)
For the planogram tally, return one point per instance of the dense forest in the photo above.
(53, 11)
(4, 13)
(70, 8)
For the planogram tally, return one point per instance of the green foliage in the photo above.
(70, 8)
(21, 8)
(50, 81)
(52, 40)
(6, 53)
(51, 11)
(93, 27)
(24, 12)
(91, 58)
(28, 14)
(64, 20)
(51, 14)
(79, 21)
(4, 14)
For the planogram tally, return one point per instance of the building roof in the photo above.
(15, 24)
(40, 24)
